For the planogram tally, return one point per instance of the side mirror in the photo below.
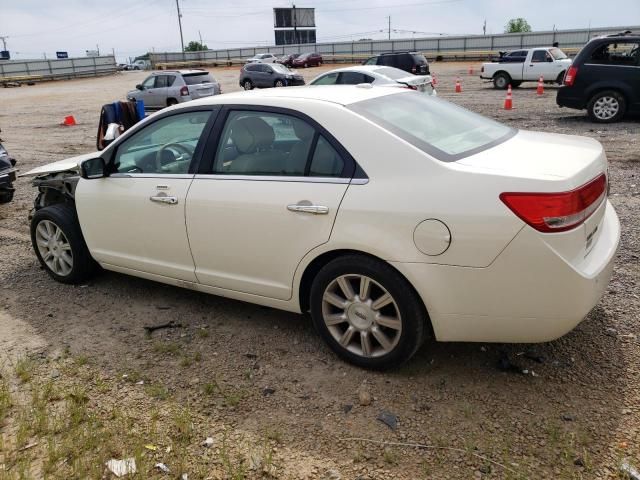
(270, 72)
(549, 59)
(93, 168)
(140, 87)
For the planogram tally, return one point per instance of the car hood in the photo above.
(61, 165)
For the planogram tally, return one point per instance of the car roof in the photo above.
(339, 94)
(181, 72)
(366, 69)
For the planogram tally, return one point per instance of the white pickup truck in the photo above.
(526, 65)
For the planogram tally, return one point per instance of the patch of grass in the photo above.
(182, 430)
(233, 399)
(81, 360)
(24, 369)
(390, 457)
(235, 468)
(273, 434)
(166, 348)
(203, 333)
(133, 376)
(157, 391)
(186, 362)
(197, 357)
(210, 388)
(5, 400)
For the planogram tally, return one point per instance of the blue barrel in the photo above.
(140, 109)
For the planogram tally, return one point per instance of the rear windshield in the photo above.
(557, 53)
(196, 78)
(440, 128)
(392, 73)
(419, 59)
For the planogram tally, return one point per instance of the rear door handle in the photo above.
(315, 209)
(164, 199)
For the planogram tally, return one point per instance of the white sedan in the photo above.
(390, 215)
(377, 75)
(263, 58)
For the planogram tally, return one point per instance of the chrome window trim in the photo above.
(610, 65)
(151, 175)
(265, 178)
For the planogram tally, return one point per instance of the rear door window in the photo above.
(625, 54)
(388, 60)
(161, 81)
(353, 78)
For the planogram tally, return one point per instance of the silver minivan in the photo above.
(170, 87)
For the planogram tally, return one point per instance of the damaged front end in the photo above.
(7, 175)
(53, 188)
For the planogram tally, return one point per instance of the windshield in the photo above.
(437, 127)
(280, 68)
(557, 54)
(196, 78)
(393, 73)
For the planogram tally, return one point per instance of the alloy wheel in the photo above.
(361, 315)
(247, 85)
(54, 248)
(279, 83)
(605, 108)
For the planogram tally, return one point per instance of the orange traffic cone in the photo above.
(458, 85)
(508, 102)
(470, 69)
(540, 89)
(69, 121)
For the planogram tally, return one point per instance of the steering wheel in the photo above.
(188, 150)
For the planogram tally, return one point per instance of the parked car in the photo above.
(170, 87)
(262, 75)
(388, 214)
(412, 62)
(287, 60)
(7, 175)
(307, 60)
(375, 75)
(527, 65)
(138, 65)
(263, 58)
(604, 78)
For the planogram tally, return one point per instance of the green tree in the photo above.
(195, 47)
(517, 25)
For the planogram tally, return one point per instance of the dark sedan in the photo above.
(307, 60)
(287, 60)
(264, 75)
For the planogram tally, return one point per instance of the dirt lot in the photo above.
(82, 382)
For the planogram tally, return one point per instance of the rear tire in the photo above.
(501, 80)
(607, 106)
(381, 321)
(59, 244)
(171, 102)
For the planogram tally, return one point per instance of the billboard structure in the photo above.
(294, 25)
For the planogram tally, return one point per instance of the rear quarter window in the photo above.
(615, 53)
(437, 127)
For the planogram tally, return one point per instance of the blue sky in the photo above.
(38, 27)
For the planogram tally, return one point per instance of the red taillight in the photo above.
(570, 77)
(558, 212)
(184, 91)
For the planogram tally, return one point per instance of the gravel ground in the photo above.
(575, 414)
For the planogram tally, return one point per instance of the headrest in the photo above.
(302, 130)
(250, 133)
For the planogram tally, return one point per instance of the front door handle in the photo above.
(315, 209)
(164, 199)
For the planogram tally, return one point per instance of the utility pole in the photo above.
(180, 25)
(98, 49)
(389, 17)
(4, 42)
(484, 27)
(201, 44)
(295, 26)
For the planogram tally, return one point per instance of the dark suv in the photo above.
(604, 78)
(412, 62)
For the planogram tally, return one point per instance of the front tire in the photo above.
(607, 107)
(247, 85)
(59, 244)
(501, 80)
(367, 312)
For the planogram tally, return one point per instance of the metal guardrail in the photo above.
(21, 71)
(442, 47)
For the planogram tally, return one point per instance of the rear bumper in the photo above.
(567, 98)
(528, 294)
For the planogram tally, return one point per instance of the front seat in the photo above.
(253, 138)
